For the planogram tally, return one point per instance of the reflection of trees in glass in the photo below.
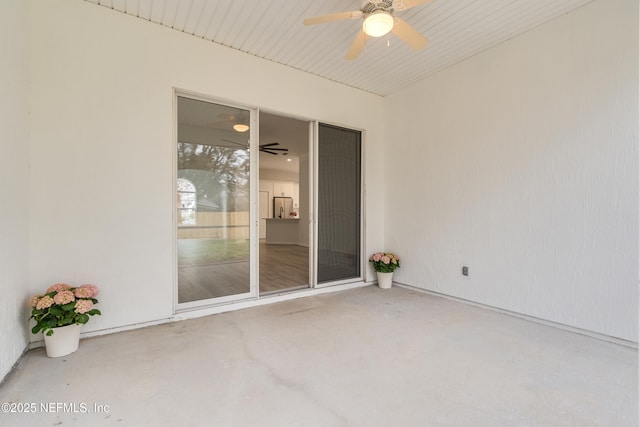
(186, 202)
(220, 175)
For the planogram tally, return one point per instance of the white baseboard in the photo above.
(287, 296)
(40, 343)
(596, 335)
(216, 309)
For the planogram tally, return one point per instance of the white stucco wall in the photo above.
(102, 145)
(522, 163)
(14, 182)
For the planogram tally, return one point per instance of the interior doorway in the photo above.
(284, 252)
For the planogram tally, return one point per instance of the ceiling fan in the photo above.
(379, 19)
(270, 148)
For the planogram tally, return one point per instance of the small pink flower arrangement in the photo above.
(384, 262)
(63, 305)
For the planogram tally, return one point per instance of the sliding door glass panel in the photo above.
(339, 204)
(212, 201)
(284, 184)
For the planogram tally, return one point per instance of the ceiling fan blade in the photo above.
(357, 46)
(269, 152)
(340, 16)
(269, 144)
(408, 34)
(401, 5)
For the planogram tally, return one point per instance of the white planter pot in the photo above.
(384, 280)
(63, 341)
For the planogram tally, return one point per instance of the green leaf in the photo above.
(93, 312)
(56, 311)
(70, 306)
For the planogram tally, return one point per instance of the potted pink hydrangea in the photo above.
(384, 263)
(58, 314)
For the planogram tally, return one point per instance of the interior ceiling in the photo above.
(203, 122)
(273, 30)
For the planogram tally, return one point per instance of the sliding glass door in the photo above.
(219, 178)
(213, 201)
(339, 204)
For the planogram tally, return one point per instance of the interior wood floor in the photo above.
(281, 267)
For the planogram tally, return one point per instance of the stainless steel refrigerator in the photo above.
(282, 207)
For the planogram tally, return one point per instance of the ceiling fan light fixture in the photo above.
(240, 127)
(378, 23)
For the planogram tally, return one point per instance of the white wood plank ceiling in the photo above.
(273, 30)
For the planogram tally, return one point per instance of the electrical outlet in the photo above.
(465, 270)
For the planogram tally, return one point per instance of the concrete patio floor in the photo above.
(365, 357)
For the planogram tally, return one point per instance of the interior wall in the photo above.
(292, 189)
(14, 175)
(278, 175)
(103, 145)
(526, 157)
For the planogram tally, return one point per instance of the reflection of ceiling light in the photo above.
(378, 23)
(289, 159)
(239, 127)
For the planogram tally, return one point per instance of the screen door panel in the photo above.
(339, 204)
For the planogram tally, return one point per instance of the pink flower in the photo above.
(83, 306)
(44, 302)
(377, 257)
(83, 293)
(34, 301)
(58, 287)
(92, 290)
(385, 259)
(63, 297)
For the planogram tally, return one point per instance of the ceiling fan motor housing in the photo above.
(372, 6)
